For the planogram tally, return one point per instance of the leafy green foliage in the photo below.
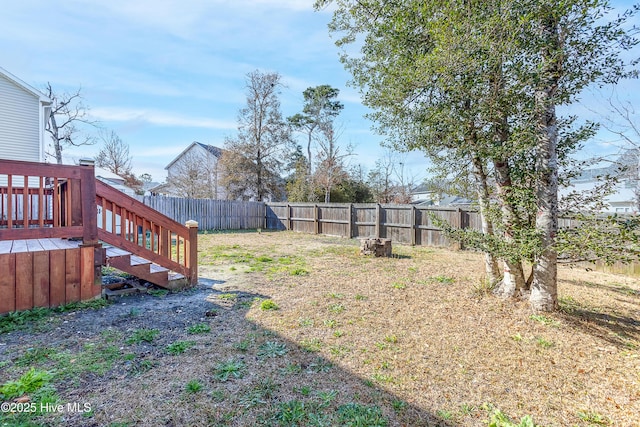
(143, 335)
(194, 386)
(229, 369)
(179, 347)
(609, 239)
(271, 349)
(291, 413)
(30, 382)
(268, 304)
(200, 328)
(21, 320)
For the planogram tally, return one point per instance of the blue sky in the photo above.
(164, 73)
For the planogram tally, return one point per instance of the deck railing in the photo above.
(127, 223)
(40, 200)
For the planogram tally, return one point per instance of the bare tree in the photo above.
(114, 154)
(189, 178)
(197, 177)
(263, 139)
(67, 111)
(380, 177)
(390, 180)
(623, 120)
(331, 160)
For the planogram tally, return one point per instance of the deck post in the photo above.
(90, 230)
(192, 251)
(88, 203)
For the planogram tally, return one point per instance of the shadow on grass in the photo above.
(232, 373)
(604, 322)
(617, 288)
(620, 331)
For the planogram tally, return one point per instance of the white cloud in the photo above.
(160, 118)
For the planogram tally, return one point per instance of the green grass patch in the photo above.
(357, 415)
(229, 369)
(200, 328)
(179, 347)
(35, 319)
(143, 335)
(30, 382)
(311, 345)
(193, 386)
(36, 384)
(35, 356)
(336, 308)
(499, 419)
(97, 358)
(444, 280)
(160, 293)
(272, 349)
(268, 304)
(545, 320)
(594, 418)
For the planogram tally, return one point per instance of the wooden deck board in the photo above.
(36, 245)
(5, 246)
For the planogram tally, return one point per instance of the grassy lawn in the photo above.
(295, 330)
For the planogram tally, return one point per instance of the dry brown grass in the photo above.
(414, 336)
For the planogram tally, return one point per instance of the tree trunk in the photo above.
(482, 189)
(544, 289)
(513, 282)
(54, 137)
(309, 167)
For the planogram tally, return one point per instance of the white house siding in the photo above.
(20, 115)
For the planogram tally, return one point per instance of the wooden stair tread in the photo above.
(136, 260)
(112, 252)
(155, 268)
(142, 269)
(175, 276)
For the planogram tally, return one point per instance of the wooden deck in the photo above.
(54, 220)
(45, 273)
(36, 245)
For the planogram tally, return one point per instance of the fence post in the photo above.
(192, 251)
(316, 216)
(413, 225)
(350, 227)
(378, 219)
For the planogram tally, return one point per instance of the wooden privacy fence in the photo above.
(210, 214)
(407, 224)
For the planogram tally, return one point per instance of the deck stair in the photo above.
(143, 269)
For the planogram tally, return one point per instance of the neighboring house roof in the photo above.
(146, 186)
(623, 198)
(114, 181)
(455, 201)
(210, 148)
(163, 188)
